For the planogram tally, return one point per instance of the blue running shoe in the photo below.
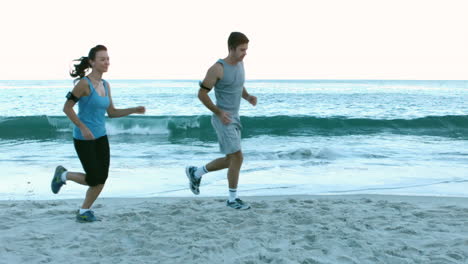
(194, 182)
(237, 204)
(85, 217)
(57, 182)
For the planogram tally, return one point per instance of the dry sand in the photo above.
(279, 229)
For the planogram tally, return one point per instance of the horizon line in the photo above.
(259, 79)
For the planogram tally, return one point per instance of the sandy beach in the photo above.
(278, 229)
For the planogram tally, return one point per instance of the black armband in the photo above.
(72, 97)
(204, 87)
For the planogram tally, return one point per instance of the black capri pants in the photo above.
(95, 159)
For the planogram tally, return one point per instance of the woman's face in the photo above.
(101, 62)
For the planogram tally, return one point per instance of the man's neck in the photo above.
(230, 60)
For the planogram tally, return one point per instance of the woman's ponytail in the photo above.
(80, 68)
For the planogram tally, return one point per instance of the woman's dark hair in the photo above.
(236, 39)
(83, 62)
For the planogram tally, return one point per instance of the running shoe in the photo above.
(238, 204)
(194, 183)
(85, 217)
(57, 182)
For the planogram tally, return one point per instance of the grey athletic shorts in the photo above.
(229, 136)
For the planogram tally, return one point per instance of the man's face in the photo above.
(241, 51)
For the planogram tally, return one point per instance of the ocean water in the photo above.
(303, 137)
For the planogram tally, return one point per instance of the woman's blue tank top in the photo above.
(92, 110)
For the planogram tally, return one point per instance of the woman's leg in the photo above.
(91, 195)
(100, 172)
(77, 177)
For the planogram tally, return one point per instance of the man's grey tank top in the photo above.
(228, 90)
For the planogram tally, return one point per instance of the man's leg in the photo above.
(194, 174)
(218, 164)
(234, 163)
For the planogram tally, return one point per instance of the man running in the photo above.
(227, 77)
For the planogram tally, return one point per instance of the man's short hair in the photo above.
(236, 39)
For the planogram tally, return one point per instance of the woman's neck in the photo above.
(95, 75)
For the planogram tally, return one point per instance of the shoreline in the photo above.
(437, 199)
(352, 196)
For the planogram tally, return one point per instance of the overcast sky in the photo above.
(293, 39)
